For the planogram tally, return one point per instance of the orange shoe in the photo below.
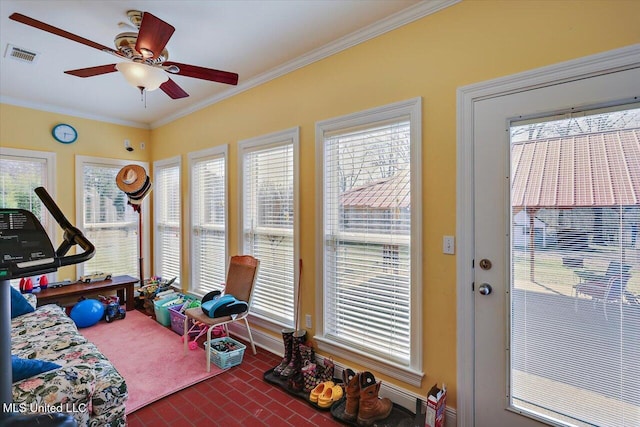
(320, 388)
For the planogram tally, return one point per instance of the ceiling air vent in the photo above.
(21, 54)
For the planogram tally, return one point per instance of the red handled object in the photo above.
(26, 285)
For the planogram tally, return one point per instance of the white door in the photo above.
(532, 333)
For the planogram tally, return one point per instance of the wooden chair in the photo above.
(241, 277)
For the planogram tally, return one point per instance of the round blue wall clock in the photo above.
(64, 133)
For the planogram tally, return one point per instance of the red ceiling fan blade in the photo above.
(205, 73)
(153, 35)
(92, 71)
(59, 32)
(172, 89)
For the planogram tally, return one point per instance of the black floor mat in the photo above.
(399, 417)
(282, 383)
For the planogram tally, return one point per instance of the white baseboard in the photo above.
(397, 394)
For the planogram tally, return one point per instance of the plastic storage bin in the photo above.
(161, 307)
(177, 317)
(226, 359)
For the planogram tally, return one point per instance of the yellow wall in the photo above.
(31, 129)
(470, 42)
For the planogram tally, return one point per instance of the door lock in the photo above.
(485, 264)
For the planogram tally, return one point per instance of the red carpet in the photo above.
(149, 356)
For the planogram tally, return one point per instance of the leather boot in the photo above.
(287, 337)
(295, 364)
(371, 408)
(351, 381)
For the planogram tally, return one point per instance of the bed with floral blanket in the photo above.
(86, 385)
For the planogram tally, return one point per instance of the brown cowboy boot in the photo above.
(371, 408)
(352, 391)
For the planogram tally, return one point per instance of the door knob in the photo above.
(485, 289)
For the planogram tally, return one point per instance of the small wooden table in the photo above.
(122, 284)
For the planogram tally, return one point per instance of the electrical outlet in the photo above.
(307, 320)
(448, 245)
(142, 145)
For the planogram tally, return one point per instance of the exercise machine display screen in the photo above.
(23, 241)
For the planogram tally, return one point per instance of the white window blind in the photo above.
(21, 172)
(167, 218)
(106, 218)
(367, 238)
(208, 221)
(268, 209)
(575, 279)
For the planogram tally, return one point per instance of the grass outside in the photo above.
(550, 275)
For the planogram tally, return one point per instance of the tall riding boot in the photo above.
(287, 337)
(371, 408)
(351, 381)
(295, 364)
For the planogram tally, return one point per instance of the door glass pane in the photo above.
(575, 269)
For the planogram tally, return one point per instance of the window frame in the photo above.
(284, 137)
(412, 108)
(193, 157)
(49, 158)
(80, 163)
(157, 246)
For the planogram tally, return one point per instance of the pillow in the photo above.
(26, 368)
(19, 305)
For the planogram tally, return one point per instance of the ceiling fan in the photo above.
(144, 53)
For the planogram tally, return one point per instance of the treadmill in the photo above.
(26, 250)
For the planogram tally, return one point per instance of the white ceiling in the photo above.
(259, 40)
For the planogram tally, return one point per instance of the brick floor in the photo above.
(237, 397)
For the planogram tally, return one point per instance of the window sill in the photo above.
(266, 324)
(402, 373)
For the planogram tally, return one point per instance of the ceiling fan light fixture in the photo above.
(142, 76)
(146, 53)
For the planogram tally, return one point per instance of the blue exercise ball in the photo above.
(87, 313)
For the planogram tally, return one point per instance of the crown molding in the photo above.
(397, 20)
(69, 112)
